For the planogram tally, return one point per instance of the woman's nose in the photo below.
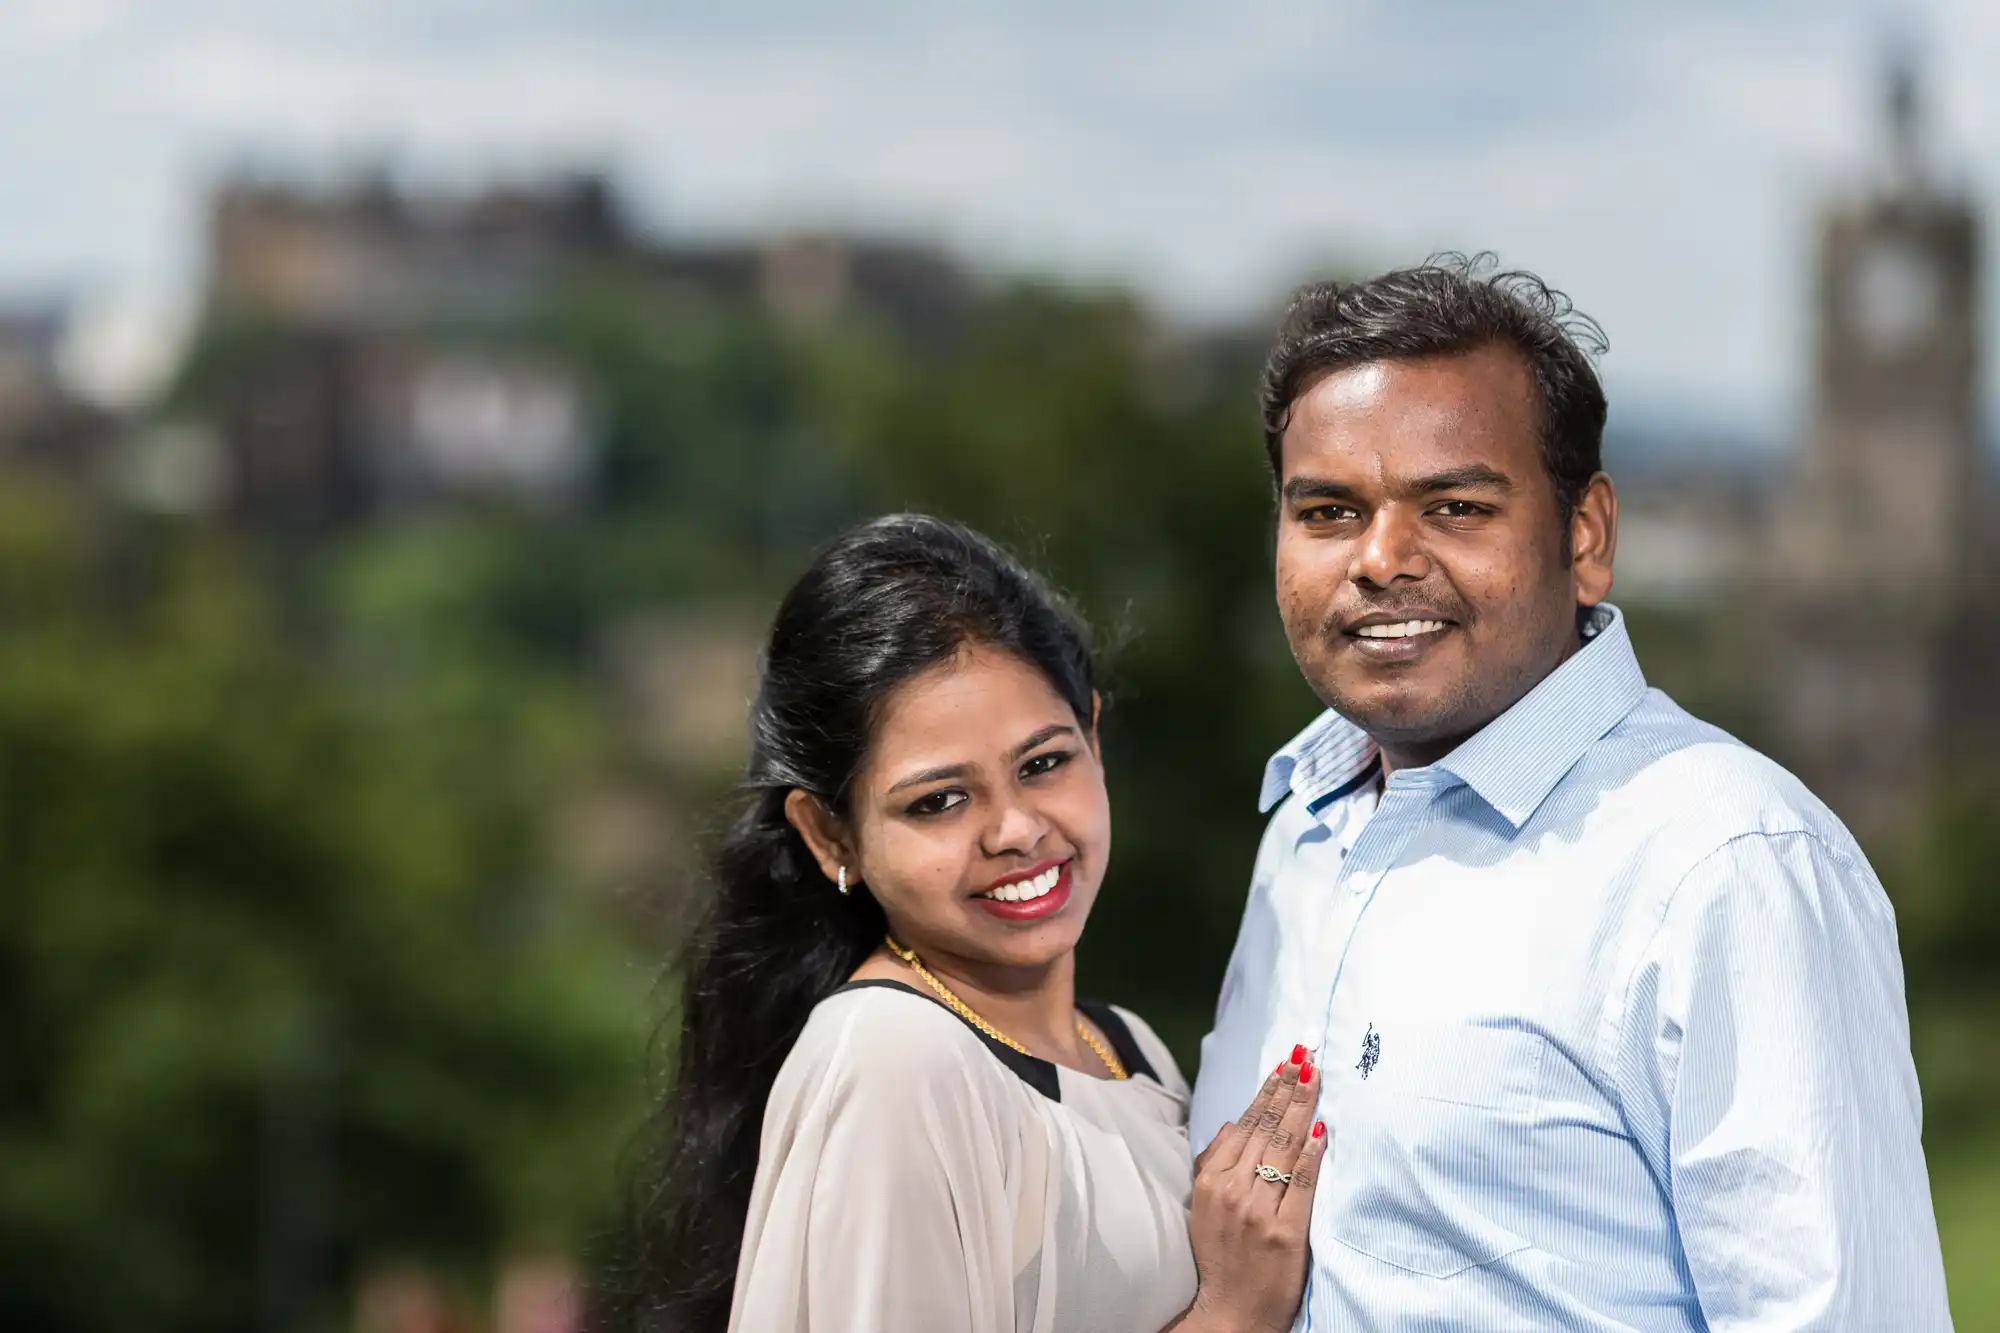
(1018, 829)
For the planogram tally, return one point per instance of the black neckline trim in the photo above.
(1112, 1024)
(1039, 1074)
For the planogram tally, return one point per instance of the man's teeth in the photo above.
(1026, 890)
(1402, 629)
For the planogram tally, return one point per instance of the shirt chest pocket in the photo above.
(1433, 1145)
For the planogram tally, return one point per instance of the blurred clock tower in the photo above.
(1882, 566)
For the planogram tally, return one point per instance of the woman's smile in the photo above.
(1030, 896)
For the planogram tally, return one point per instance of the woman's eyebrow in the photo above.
(930, 775)
(1042, 737)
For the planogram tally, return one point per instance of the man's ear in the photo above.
(825, 836)
(1593, 537)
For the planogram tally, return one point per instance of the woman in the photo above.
(891, 1112)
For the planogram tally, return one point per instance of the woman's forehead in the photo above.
(982, 702)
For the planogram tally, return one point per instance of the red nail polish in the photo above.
(1280, 1068)
(1319, 1129)
(1306, 1072)
(1298, 1055)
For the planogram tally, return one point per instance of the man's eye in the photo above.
(1460, 509)
(937, 803)
(1044, 763)
(1324, 514)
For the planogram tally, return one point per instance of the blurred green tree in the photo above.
(284, 985)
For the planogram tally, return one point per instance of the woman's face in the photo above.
(979, 819)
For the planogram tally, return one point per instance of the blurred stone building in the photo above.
(361, 309)
(380, 322)
(1883, 651)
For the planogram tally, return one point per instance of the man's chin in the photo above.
(1402, 714)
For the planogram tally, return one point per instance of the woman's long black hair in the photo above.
(884, 602)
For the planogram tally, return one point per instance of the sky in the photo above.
(1661, 162)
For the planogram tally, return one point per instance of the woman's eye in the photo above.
(937, 803)
(1043, 763)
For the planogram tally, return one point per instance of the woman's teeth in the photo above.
(1026, 890)
(1402, 629)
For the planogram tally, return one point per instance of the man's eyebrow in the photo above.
(1042, 737)
(1471, 477)
(1317, 488)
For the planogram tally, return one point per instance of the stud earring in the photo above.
(842, 883)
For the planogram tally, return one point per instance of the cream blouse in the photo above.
(916, 1176)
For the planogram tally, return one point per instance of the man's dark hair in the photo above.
(1445, 305)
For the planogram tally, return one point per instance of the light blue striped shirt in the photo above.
(1609, 1016)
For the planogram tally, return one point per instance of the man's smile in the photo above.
(1399, 629)
(1395, 637)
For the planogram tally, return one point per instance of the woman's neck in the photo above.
(1036, 1006)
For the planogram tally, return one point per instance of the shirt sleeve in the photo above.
(883, 1202)
(1767, 1043)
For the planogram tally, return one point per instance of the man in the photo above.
(1607, 1006)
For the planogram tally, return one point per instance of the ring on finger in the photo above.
(1266, 1171)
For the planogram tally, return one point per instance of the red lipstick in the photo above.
(1046, 904)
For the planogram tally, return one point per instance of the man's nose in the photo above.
(1391, 549)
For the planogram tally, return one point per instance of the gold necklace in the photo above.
(964, 1011)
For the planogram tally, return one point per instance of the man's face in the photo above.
(1421, 568)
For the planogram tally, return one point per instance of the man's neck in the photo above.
(1396, 757)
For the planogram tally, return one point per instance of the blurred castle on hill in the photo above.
(391, 380)
(372, 257)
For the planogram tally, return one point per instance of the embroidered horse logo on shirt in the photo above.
(1371, 1051)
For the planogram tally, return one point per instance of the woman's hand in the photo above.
(1249, 1233)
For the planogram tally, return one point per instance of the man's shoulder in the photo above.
(1680, 772)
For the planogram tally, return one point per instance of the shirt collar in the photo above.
(1517, 759)
(1326, 758)
(1514, 761)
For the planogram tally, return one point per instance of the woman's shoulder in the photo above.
(883, 1029)
(878, 1066)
